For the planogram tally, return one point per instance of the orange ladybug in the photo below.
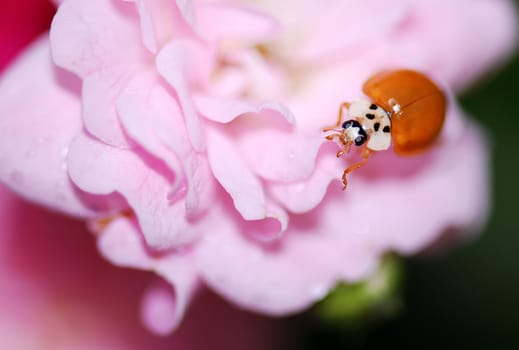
(406, 109)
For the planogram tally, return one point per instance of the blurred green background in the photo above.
(467, 298)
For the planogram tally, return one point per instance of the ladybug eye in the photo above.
(347, 124)
(360, 139)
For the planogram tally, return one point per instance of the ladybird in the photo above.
(405, 109)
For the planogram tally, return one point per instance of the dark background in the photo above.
(467, 298)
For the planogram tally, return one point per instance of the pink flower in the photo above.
(56, 293)
(188, 135)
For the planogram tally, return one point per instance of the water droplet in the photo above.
(64, 152)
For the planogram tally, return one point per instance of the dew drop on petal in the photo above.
(64, 152)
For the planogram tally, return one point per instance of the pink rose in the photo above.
(188, 135)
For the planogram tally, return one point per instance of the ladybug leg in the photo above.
(366, 152)
(339, 116)
(345, 145)
(332, 136)
(345, 149)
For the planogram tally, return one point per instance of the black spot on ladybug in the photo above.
(386, 129)
(376, 126)
(370, 116)
(373, 106)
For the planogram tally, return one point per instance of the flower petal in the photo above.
(85, 33)
(277, 155)
(136, 110)
(101, 169)
(286, 275)
(236, 177)
(453, 50)
(289, 158)
(245, 189)
(162, 20)
(153, 118)
(230, 22)
(304, 195)
(225, 110)
(159, 310)
(358, 22)
(457, 178)
(163, 308)
(40, 114)
(100, 92)
(171, 64)
(83, 38)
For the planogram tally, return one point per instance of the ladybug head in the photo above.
(354, 132)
